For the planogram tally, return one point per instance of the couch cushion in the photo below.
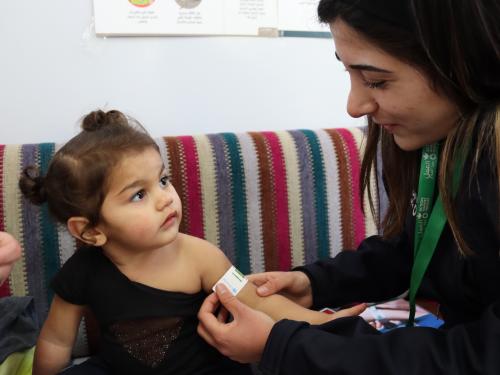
(269, 200)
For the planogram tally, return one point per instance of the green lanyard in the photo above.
(427, 228)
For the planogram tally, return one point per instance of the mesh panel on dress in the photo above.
(148, 339)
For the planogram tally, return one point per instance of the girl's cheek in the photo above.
(140, 232)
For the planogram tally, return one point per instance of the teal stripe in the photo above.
(306, 34)
(238, 189)
(50, 243)
(321, 201)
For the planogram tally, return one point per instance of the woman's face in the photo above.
(394, 94)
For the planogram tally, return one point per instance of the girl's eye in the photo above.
(138, 196)
(164, 182)
(375, 84)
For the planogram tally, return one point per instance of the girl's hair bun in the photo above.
(32, 185)
(97, 119)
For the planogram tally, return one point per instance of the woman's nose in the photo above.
(360, 103)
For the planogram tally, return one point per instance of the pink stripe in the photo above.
(4, 288)
(281, 198)
(359, 220)
(193, 187)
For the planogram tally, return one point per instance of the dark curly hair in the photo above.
(77, 178)
(456, 45)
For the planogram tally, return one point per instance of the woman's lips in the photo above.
(389, 127)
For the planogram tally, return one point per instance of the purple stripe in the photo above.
(224, 196)
(31, 238)
(307, 192)
(383, 202)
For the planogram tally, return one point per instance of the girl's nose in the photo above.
(165, 199)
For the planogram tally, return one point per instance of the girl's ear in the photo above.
(77, 226)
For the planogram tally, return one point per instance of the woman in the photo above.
(426, 74)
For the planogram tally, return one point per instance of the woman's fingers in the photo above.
(244, 338)
(269, 282)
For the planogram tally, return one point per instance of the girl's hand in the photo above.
(350, 311)
(294, 285)
(10, 251)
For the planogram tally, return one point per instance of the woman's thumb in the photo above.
(230, 302)
(271, 286)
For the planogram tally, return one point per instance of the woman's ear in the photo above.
(78, 227)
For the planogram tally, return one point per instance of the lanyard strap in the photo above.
(428, 229)
(426, 185)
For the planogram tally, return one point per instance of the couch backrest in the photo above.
(269, 200)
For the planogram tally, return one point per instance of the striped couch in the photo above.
(270, 200)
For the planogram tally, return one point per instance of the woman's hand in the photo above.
(244, 338)
(294, 285)
(10, 251)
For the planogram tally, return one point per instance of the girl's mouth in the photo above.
(169, 220)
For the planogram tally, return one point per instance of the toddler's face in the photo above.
(141, 211)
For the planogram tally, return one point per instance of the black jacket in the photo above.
(467, 288)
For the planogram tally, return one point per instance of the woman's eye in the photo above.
(138, 196)
(375, 84)
(164, 181)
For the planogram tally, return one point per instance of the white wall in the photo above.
(53, 69)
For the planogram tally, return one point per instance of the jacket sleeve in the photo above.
(378, 270)
(350, 346)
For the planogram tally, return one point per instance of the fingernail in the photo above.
(262, 290)
(221, 288)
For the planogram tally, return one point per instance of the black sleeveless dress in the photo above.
(143, 330)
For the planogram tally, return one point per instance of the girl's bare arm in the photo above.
(214, 264)
(54, 345)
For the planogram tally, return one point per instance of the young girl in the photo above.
(143, 280)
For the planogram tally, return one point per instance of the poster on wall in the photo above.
(207, 17)
(299, 18)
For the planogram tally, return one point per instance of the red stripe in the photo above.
(4, 288)
(354, 157)
(267, 204)
(2, 148)
(193, 187)
(176, 175)
(281, 199)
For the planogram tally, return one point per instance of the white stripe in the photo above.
(294, 189)
(208, 188)
(370, 220)
(252, 183)
(332, 191)
(67, 243)
(162, 145)
(12, 214)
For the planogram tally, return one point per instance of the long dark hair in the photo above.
(77, 178)
(456, 45)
